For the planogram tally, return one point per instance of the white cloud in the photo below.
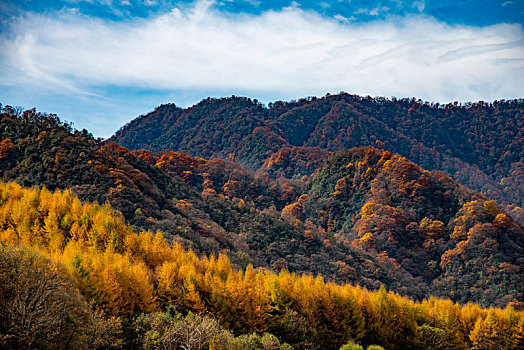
(341, 18)
(253, 2)
(287, 52)
(419, 5)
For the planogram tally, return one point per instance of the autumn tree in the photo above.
(39, 306)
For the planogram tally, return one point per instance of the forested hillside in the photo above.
(74, 275)
(478, 144)
(366, 216)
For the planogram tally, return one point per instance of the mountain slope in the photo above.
(478, 144)
(367, 216)
(440, 232)
(74, 253)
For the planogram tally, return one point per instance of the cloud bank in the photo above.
(291, 52)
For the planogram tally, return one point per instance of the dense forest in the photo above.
(75, 275)
(262, 257)
(478, 144)
(367, 216)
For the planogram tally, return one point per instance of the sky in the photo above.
(102, 63)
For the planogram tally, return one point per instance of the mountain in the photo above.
(362, 215)
(74, 275)
(478, 144)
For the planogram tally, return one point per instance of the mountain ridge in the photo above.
(351, 220)
(478, 144)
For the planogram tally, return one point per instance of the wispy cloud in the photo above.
(291, 52)
(419, 5)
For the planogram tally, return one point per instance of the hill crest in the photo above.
(478, 144)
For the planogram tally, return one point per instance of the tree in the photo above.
(103, 332)
(487, 335)
(351, 346)
(517, 339)
(39, 306)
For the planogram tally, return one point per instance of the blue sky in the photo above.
(101, 63)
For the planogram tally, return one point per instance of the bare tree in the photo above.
(39, 306)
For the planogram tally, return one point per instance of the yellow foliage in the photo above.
(368, 209)
(502, 220)
(367, 240)
(126, 272)
(491, 208)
